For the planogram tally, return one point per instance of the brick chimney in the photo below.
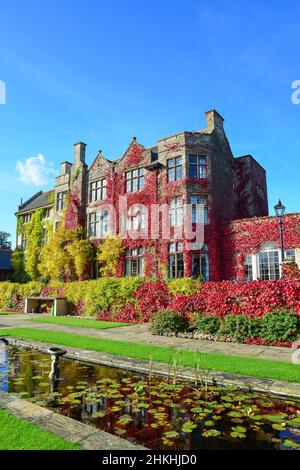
(79, 153)
(214, 120)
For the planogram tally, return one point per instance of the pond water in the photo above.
(149, 410)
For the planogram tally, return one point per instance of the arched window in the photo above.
(134, 262)
(200, 264)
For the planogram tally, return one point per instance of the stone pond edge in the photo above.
(276, 387)
(88, 437)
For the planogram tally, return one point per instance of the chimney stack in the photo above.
(79, 153)
(214, 120)
(65, 168)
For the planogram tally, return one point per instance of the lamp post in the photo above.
(280, 211)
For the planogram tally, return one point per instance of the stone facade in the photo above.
(190, 164)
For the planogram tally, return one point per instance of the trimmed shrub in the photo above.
(240, 327)
(169, 322)
(280, 326)
(206, 325)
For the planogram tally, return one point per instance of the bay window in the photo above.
(265, 265)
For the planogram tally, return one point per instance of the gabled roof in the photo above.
(37, 201)
(5, 260)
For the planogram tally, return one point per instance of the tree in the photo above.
(5, 244)
(18, 262)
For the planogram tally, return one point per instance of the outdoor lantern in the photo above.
(279, 209)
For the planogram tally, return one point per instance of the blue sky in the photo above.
(103, 71)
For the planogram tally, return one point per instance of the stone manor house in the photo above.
(194, 167)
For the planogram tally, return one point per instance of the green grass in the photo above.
(18, 434)
(220, 362)
(81, 323)
(9, 313)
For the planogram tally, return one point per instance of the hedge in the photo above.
(137, 300)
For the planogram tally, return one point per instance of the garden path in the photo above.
(141, 334)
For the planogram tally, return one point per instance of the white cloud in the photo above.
(34, 170)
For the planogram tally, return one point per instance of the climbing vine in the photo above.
(108, 255)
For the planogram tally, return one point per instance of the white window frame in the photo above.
(267, 248)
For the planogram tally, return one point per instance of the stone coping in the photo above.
(88, 437)
(270, 386)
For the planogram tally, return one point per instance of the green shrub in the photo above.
(184, 286)
(280, 325)
(7, 291)
(168, 321)
(102, 294)
(240, 327)
(32, 288)
(206, 325)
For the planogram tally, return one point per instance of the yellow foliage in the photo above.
(81, 251)
(108, 255)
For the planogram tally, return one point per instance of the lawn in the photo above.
(223, 363)
(81, 323)
(9, 313)
(18, 434)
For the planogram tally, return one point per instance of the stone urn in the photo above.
(56, 353)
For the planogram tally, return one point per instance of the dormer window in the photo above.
(135, 180)
(26, 218)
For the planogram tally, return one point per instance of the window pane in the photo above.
(134, 267)
(179, 247)
(127, 268)
(171, 174)
(205, 267)
(172, 267)
(180, 266)
(178, 173)
(193, 171)
(196, 265)
(172, 247)
(290, 255)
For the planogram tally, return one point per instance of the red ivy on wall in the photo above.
(243, 237)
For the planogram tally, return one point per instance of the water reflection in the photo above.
(154, 413)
